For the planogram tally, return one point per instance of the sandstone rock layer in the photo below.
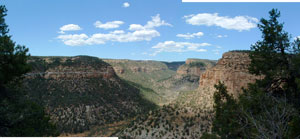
(81, 92)
(232, 70)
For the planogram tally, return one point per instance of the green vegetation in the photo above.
(165, 123)
(148, 93)
(146, 76)
(163, 82)
(269, 108)
(180, 119)
(18, 115)
(197, 64)
(87, 101)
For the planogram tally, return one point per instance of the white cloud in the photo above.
(73, 40)
(222, 36)
(126, 4)
(137, 33)
(114, 36)
(108, 25)
(136, 27)
(171, 46)
(69, 27)
(155, 22)
(239, 23)
(189, 36)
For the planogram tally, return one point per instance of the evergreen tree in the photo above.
(277, 59)
(224, 123)
(269, 108)
(18, 115)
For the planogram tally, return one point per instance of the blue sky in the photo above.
(165, 30)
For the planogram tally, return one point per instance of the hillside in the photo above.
(179, 119)
(146, 75)
(190, 114)
(81, 92)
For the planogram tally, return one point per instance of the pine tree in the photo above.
(18, 115)
(276, 58)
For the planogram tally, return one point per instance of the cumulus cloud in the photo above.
(69, 27)
(239, 23)
(126, 4)
(190, 35)
(155, 22)
(73, 40)
(137, 33)
(172, 46)
(136, 27)
(108, 25)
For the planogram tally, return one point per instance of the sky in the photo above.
(164, 30)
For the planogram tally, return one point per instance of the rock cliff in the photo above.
(195, 67)
(81, 92)
(232, 70)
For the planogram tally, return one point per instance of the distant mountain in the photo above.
(82, 92)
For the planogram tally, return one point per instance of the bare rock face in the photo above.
(194, 68)
(232, 69)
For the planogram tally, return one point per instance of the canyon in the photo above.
(190, 114)
(146, 99)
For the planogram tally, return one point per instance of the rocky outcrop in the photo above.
(195, 67)
(69, 68)
(232, 70)
(81, 92)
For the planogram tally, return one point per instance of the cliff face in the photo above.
(81, 92)
(195, 67)
(232, 69)
(70, 68)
